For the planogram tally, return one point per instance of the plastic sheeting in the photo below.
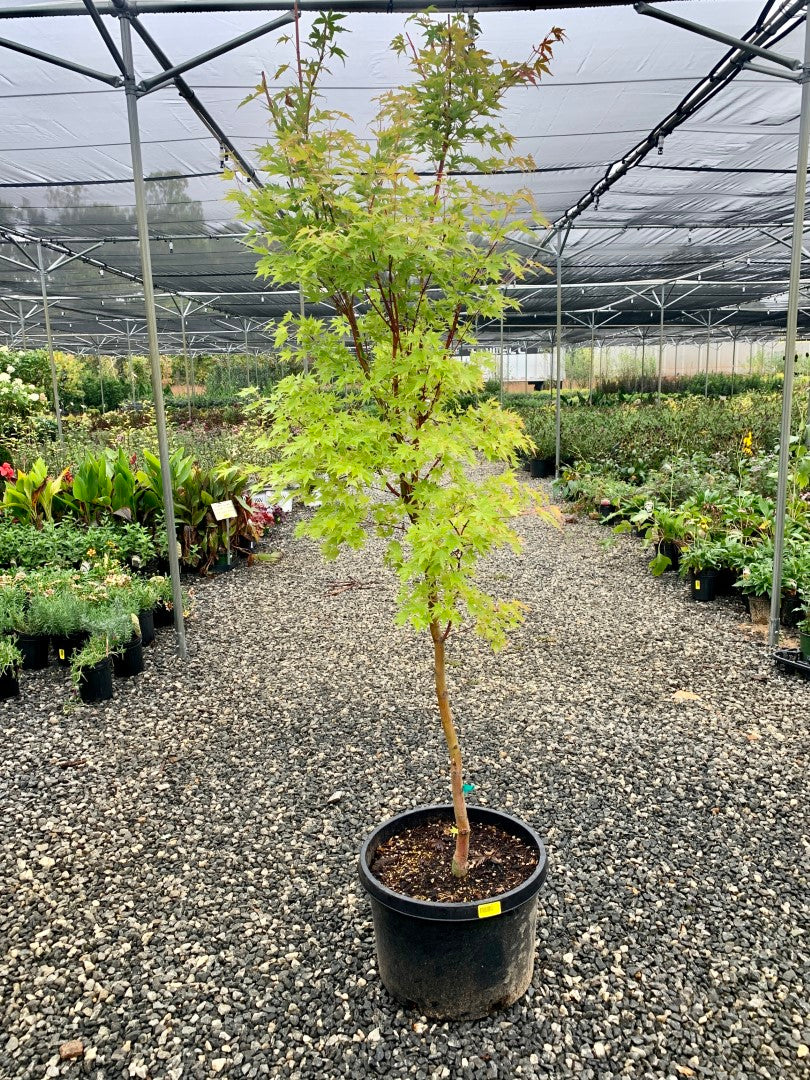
(728, 172)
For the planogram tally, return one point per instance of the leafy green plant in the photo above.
(10, 656)
(95, 651)
(60, 613)
(34, 496)
(408, 264)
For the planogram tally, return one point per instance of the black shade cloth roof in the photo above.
(705, 224)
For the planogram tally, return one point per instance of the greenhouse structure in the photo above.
(268, 279)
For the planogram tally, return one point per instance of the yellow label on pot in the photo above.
(61, 654)
(486, 911)
(697, 584)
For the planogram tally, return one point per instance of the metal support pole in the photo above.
(558, 364)
(660, 347)
(643, 352)
(130, 367)
(708, 352)
(57, 408)
(500, 364)
(790, 344)
(302, 311)
(100, 378)
(590, 368)
(22, 327)
(185, 359)
(675, 362)
(526, 364)
(733, 360)
(151, 330)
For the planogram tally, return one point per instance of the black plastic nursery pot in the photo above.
(606, 508)
(452, 960)
(804, 644)
(95, 683)
(65, 645)
(672, 552)
(9, 685)
(163, 615)
(34, 649)
(541, 468)
(130, 660)
(146, 621)
(703, 584)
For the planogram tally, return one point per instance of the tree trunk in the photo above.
(462, 852)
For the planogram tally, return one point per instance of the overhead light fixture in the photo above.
(171, 246)
(660, 144)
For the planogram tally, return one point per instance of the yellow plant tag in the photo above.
(61, 654)
(486, 911)
(697, 584)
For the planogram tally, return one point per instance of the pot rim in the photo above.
(447, 911)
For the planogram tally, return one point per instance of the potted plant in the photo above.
(804, 636)
(91, 670)
(163, 613)
(63, 615)
(144, 594)
(17, 618)
(10, 663)
(408, 263)
(701, 561)
(120, 628)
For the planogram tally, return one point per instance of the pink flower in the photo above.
(7, 471)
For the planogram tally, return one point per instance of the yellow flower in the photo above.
(91, 552)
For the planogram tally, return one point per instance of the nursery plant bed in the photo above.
(460, 958)
(791, 660)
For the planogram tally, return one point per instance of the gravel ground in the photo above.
(179, 867)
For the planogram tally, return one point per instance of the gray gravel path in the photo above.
(179, 894)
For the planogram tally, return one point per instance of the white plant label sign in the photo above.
(222, 511)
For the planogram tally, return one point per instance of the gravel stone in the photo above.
(179, 864)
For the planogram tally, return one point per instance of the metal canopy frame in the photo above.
(133, 89)
(660, 292)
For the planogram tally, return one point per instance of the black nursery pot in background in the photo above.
(130, 660)
(703, 585)
(452, 960)
(672, 552)
(146, 621)
(9, 685)
(541, 468)
(95, 683)
(64, 646)
(34, 649)
(163, 615)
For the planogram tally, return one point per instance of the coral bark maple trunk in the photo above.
(462, 853)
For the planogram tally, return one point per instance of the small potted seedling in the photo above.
(91, 670)
(10, 663)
